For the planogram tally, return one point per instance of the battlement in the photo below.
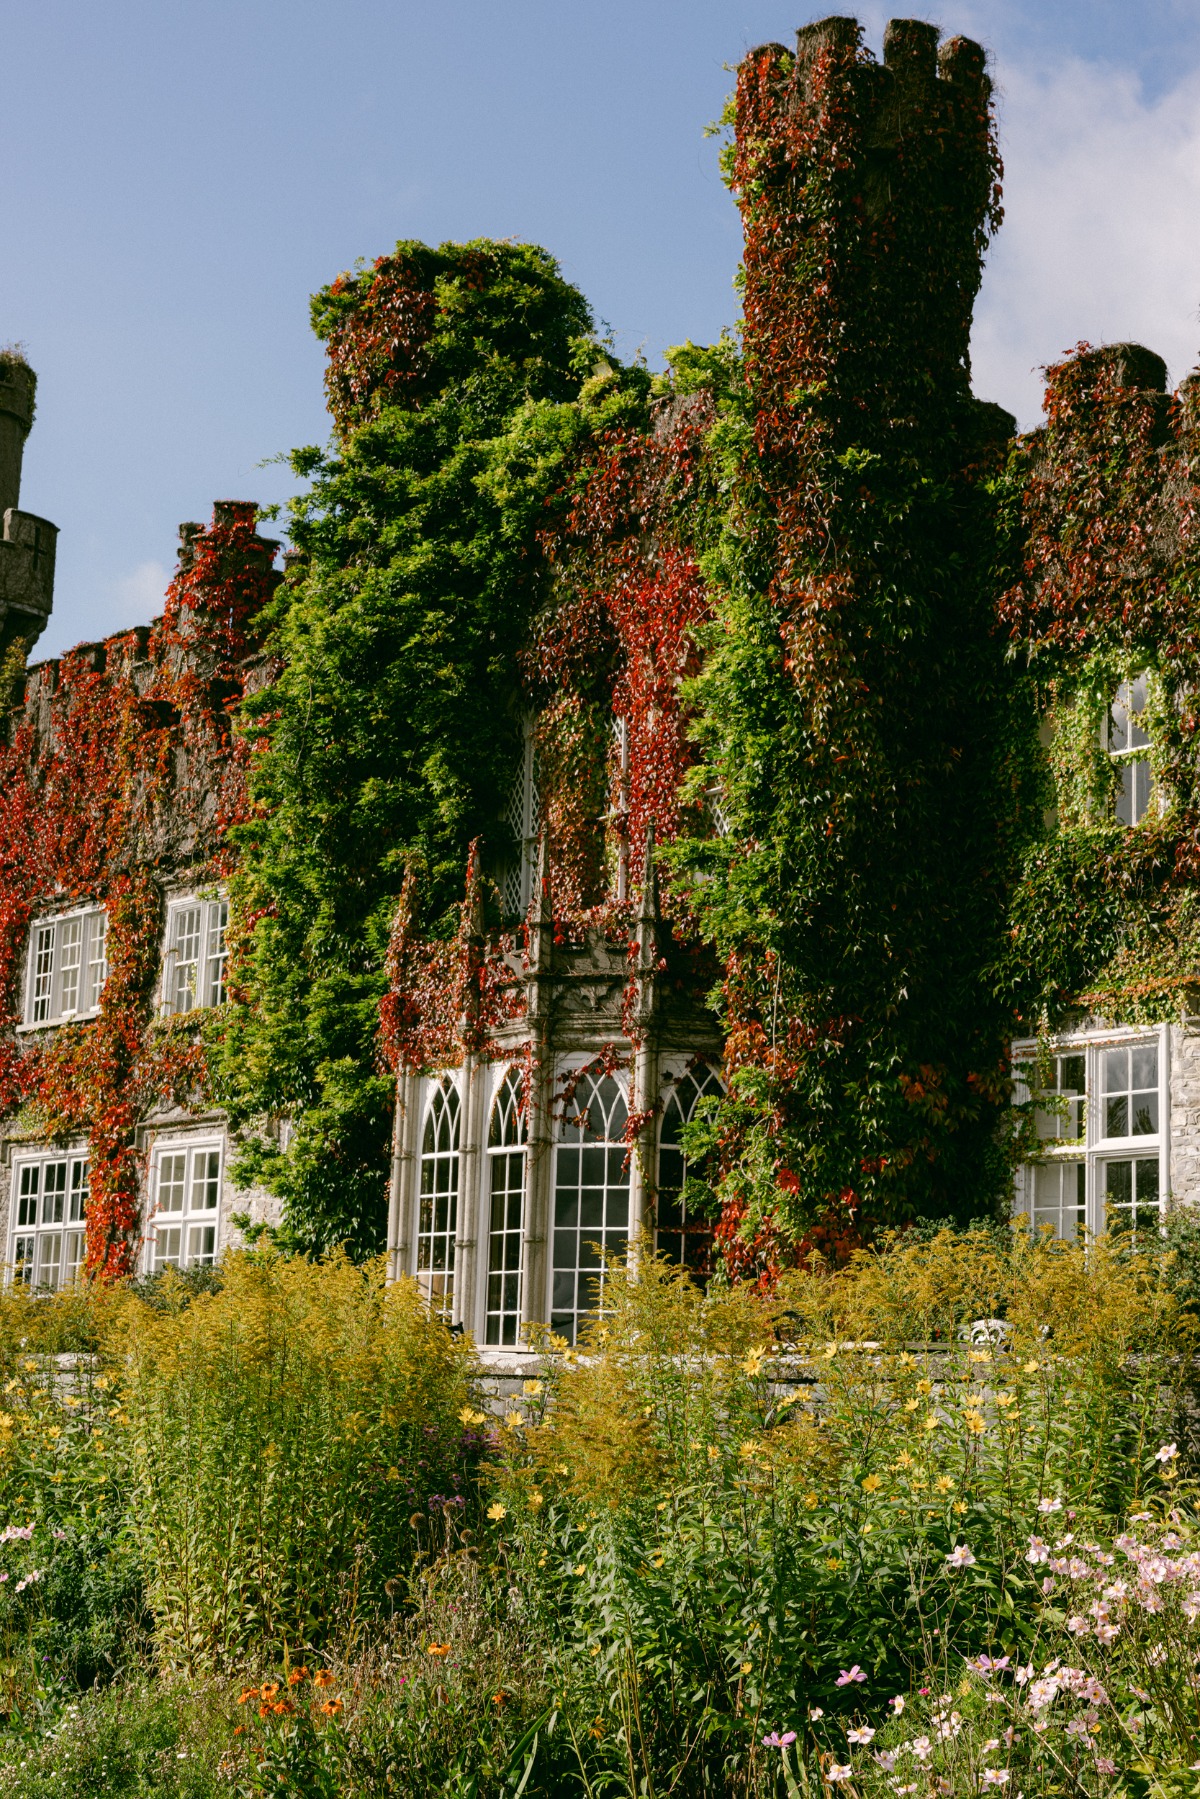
(28, 544)
(868, 190)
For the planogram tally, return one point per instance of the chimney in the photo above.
(18, 385)
(27, 543)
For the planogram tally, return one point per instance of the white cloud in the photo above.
(1100, 239)
(138, 597)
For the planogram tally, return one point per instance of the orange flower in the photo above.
(240, 1730)
(439, 1649)
(499, 1698)
(296, 1676)
(332, 1707)
(271, 1690)
(322, 1678)
(250, 1693)
(283, 1706)
(264, 1710)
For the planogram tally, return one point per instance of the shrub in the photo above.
(286, 1435)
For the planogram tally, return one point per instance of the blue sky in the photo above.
(178, 178)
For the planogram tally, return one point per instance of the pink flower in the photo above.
(1105, 1765)
(864, 1734)
(960, 1557)
(849, 1675)
(1167, 1453)
(897, 1704)
(775, 1741)
(995, 1777)
(1049, 1505)
(838, 1771)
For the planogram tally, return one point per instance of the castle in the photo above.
(858, 804)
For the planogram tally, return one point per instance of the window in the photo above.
(591, 1199)
(506, 1158)
(49, 1208)
(680, 1236)
(1127, 743)
(1103, 1133)
(521, 816)
(438, 1225)
(68, 967)
(186, 1193)
(196, 955)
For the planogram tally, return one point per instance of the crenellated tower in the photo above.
(28, 543)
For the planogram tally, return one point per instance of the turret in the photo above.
(27, 543)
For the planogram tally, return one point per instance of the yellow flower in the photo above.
(867, 1529)
(103, 1384)
(29, 1362)
(536, 1499)
(959, 1508)
(1032, 1367)
(393, 1474)
(661, 1506)
(980, 1355)
(747, 1667)
(924, 1386)
(1006, 1399)
(810, 1502)
(541, 1561)
(904, 1460)
(595, 1649)
(932, 1422)
(657, 1560)
(513, 1421)
(714, 1454)
(832, 1563)
(910, 1405)
(581, 1568)
(54, 1433)
(497, 1511)
(872, 1484)
(907, 1360)
(469, 1415)
(533, 1388)
(439, 1650)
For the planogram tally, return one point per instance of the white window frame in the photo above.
(440, 1197)
(1134, 754)
(66, 961)
(569, 1312)
(521, 815)
(205, 985)
(506, 1142)
(1095, 1150)
(47, 1218)
(177, 1235)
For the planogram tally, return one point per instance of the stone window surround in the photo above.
(189, 1144)
(91, 970)
(69, 1230)
(208, 984)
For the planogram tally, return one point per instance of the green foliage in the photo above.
(287, 1436)
(389, 737)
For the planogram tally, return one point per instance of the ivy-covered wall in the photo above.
(861, 642)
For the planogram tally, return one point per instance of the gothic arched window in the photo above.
(681, 1237)
(506, 1156)
(438, 1226)
(591, 1198)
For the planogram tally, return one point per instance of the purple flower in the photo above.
(848, 1675)
(775, 1741)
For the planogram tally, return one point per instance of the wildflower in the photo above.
(500, 1698)
(932, 1422)
(1078, 1626)
(271, 1690)
(961, 1557)
(747, 1667)
(1105, 1765)
(1107, 1634)
(815, 1712)
(439, 1650)
(897, 1704)
(864, 1735)
(581, 1568)
(886, 1759)
(975, 1424)
(532, 1388)
(872, 1484)
(250, 1693)
(847, 1676)
(496, 1512)
(393, 1473)
(1046, 1506)
(322, 1678)
(469, 1415)
(775, 1741)
(838, 1771)
(943, 1484)
(284, 1707)
(921, 1748)
(1037, 1551)
(264, 1710)
(1167, 1453)
(331, 1707)
(995, 1777)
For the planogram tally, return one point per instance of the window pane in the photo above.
(503, 1313)
(54, 1192)
(218, 921)
(438, 1224)
(50, 1261)
(167, 1245)
(202, 1245)
(70, 962)
(43, 971)
(76, 1256)
(206, 1179)
(1057, 1193)
(24, 1258)
(97, 965)
(77, 1210)
(591, 1200)
(172, 1172)
(1131, 1192)
(184, 958)
(27, 1197)
(1131, 1091)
